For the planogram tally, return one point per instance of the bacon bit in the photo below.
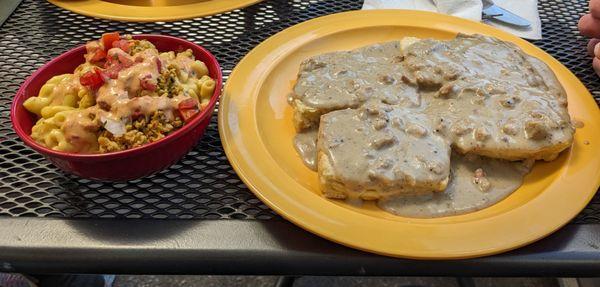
(125, 61)
(158, 64)
(113, 71)
(104, 105)
(148, 83)
(116, 56)
(136, 114)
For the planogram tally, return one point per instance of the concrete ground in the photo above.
(20, 280)
(325, 281)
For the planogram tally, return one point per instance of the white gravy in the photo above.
(481, 95)
(465, 192)
(306, 146)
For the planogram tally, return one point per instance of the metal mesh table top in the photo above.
(202, 185)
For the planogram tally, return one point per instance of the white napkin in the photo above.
(471, 9)
(528, 10)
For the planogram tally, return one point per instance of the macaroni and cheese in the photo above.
(125, 95)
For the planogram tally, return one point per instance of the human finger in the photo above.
(589, 26)
(592, 45)
(596, 65)
(595, 8)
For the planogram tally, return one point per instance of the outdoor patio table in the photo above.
(198, 217)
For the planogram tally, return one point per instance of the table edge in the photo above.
(256, 247)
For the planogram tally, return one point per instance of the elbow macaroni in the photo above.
(51, 111)
(57, 97)
(207, 89)
(61, 90)
(48, 132)
(200, 69)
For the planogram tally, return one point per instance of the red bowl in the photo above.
(123, 165)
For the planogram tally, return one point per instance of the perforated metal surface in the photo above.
(202, 185)
(561, 39)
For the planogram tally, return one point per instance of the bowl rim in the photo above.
(188, 127)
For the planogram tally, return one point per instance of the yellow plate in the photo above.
(256, 130)
(150, 10)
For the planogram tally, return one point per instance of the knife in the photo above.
(494, 12)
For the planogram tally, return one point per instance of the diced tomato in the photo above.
(98, 56)
(109, 38)
(188, 109)
(188, 104)
(121, 44)
(92, 79)
(187, 115)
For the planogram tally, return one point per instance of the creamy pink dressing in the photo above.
(127, 84)
(68, 86)
(118, 99)
(112, 89)
(80, 130)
